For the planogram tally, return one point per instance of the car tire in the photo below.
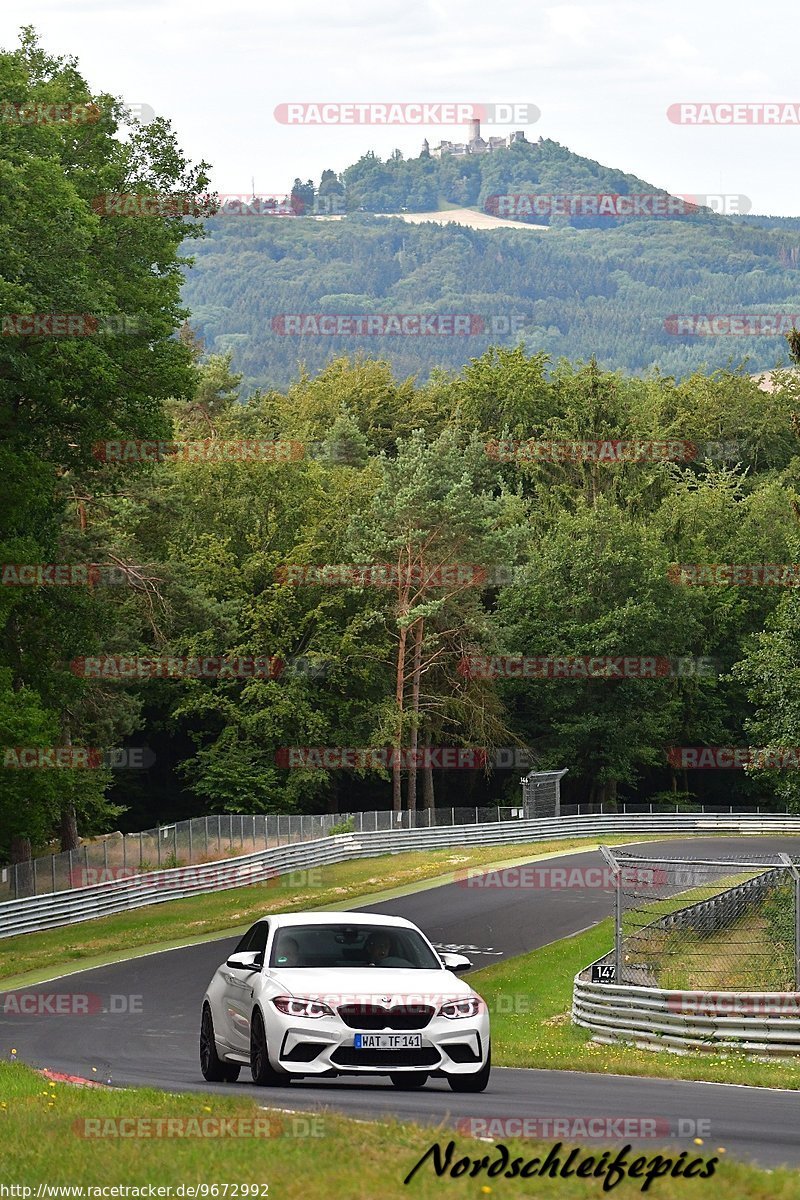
(476, 1082)
(408, 1083)
(213, 1068)
(264, 1074)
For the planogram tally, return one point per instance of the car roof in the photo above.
(336, 918)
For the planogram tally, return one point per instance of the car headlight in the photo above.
(470, 1006)
(291, 1006)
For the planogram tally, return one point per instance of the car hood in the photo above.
(371, 985)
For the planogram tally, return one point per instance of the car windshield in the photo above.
(351, 946)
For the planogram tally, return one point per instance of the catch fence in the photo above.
(705, 924)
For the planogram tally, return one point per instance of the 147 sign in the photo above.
(603, 972)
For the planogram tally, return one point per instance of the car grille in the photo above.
(376, 1016)
(348, 1056)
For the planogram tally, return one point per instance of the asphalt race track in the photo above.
(156, 1044)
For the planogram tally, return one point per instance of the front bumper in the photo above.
(318, 1047)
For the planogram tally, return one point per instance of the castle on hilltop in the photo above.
(475, 145)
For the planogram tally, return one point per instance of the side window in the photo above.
(259, 940)
(247, 940)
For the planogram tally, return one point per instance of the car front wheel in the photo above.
(212, 1066)
(472, 1083)
(263, 1073)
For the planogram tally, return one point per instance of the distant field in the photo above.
(465, 216)
(458, 216)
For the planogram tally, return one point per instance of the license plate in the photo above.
(388, 1041)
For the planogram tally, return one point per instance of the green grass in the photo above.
(178, 922)
(742, 957)
(42, 1139)
(530, 999)
(747, 955)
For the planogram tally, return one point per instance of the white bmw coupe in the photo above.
(325, 994)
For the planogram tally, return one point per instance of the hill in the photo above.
(600, 286)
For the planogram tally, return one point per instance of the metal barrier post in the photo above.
(612, 862)
(796, 875)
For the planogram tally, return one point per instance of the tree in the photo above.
(59, 396)
(440, 534)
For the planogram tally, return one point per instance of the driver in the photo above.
(377, 947)
(290, 953)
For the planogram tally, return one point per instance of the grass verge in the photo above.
(43, 1133)
(179, 922)
(530, 998)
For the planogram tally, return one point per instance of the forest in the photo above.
(602, 287)
(193, 516)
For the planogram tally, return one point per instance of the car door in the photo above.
(238, 989)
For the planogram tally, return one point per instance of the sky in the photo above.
(602, 75)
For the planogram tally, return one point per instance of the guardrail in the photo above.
(766, 1023)
(656, 1019)
(206, 839)
(153, 887)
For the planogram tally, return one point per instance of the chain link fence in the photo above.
(705, 925)
(208, 839)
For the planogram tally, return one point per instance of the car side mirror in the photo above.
(248, 960)
(457, 963)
